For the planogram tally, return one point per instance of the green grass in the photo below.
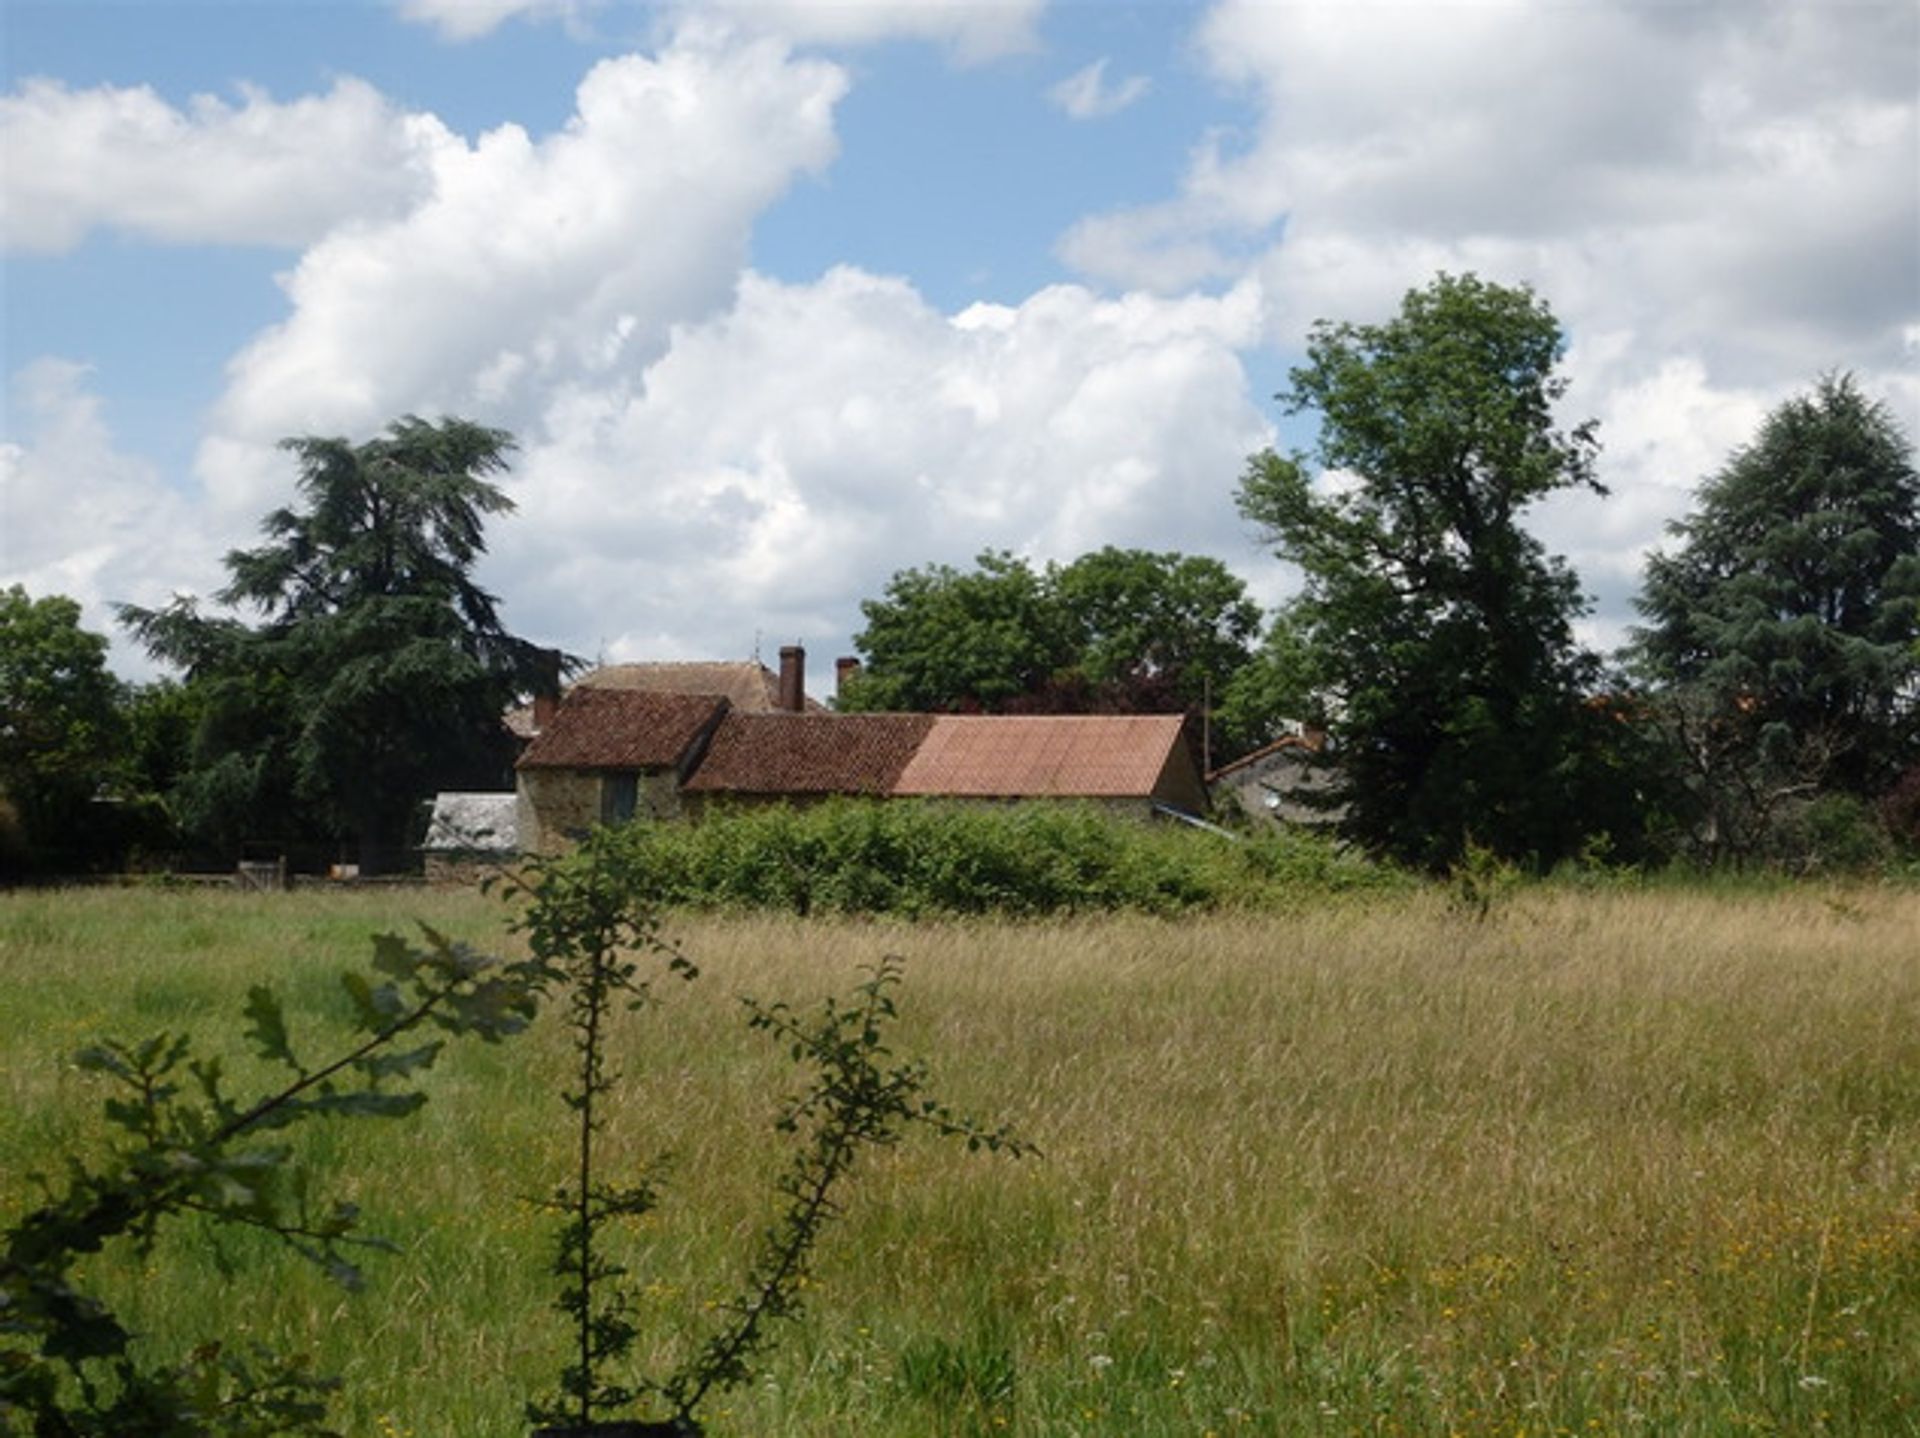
(1610, 1162)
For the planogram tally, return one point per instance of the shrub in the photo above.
(910, 859)
(1835, 833)
(1900, 809)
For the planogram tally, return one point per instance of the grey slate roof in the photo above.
(473, 824)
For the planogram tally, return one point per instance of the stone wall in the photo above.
(556, 806)
(553, 806)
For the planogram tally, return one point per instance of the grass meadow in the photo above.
(1603, 1163)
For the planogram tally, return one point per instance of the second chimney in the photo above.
(793, 678)
(845, 668)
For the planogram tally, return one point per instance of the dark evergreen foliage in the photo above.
(381, 668)
(1783, 631)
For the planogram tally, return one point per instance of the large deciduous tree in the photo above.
(1433, 635)
(1174, 625)
(1783, 630)
(1116, 630)
(61, 733)
(379, 670)
(944, 639)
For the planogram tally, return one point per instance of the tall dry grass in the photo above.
(1604, 1163)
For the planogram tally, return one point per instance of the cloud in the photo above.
(1719, 201)
(975, 32)
(259, 172)
(1085, 94)
(79, 517)
(781, 460)
(529, 263)
(460, 20)
(707, 453)
(1738, 179)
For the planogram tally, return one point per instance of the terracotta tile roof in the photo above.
(621, 729)
(1034, 756)
(750, 687)
(809, 753)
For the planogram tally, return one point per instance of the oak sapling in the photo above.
(591, 935)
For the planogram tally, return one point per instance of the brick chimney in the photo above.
(793, 678)
(845, 668)
(544, 705)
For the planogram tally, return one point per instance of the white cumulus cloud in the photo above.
(80, 517)
(470, 19)
(529, 262)
(1086, 95)
(781, 460)
(974, 30)
(256, 172)
(1719, 201)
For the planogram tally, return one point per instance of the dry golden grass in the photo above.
(1614, 1162)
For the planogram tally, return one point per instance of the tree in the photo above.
(1781, 633)
(941, 639)
(1145, 622)
(1433, 636)
(60, 733)
(380, 670)
(1117, 630)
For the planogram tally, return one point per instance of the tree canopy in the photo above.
(60, 733)
(1784, 628)
(1116, 630)
(1433, 635)
(380, 668)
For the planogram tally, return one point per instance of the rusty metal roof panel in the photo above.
(1042, 756)
(597, 728)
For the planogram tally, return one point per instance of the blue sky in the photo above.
(783, 297)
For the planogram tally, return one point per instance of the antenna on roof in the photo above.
(756, 646)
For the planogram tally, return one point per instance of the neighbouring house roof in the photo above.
(750, 687)
(1043, 756)
(474, 824)
(1298, 746)
(600, 728)
(809, 753)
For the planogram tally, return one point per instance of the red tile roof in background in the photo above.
(597, 728)
(809, 753)
(1035, 756)
(748, 686)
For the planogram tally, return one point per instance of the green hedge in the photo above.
(912, 858)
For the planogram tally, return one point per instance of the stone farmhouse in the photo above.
(629, 743)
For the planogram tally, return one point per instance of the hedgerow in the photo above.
(910, 858)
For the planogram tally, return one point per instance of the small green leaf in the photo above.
(394, 955)
(382, 1066)
(267, 1027)
(102, 1059)
(363, 1104)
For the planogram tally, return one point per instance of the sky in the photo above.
(780, 298)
